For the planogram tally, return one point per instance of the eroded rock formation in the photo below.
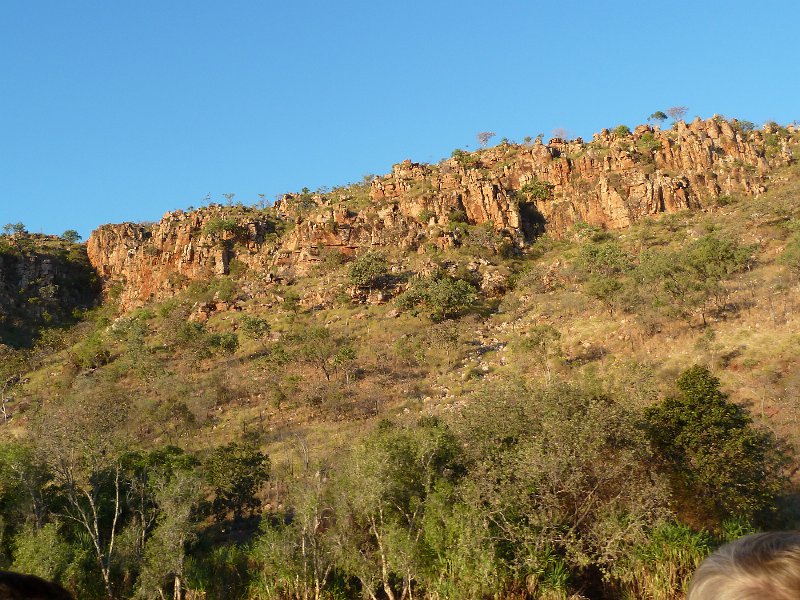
(520, 190)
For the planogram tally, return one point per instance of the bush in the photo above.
(536, 190)
(444, 296)
(622, 130)
(254, 328)
(225, 342)
(219, 225)
(368, 270)
(720, 464)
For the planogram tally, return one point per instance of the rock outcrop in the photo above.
(611, 182)
(518, 190)
(43, 279)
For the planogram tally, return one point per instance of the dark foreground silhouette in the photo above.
(16, 586)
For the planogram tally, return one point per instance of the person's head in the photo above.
(762, 566)
(16, 586)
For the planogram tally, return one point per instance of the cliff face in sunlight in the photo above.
(518, 191)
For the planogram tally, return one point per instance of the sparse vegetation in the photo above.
(453, 411)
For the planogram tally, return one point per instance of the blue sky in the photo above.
(121, 110)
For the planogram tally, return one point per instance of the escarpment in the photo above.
(518, 190)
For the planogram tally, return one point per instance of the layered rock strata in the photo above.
(520, 190)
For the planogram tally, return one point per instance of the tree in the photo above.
(561, 478)
(790, 257)
(676, 113)
(720, 464)
(295, 553)
(443, 295)
(236, 472)
(14, 229)
(544, 341)
(71, 236)
(82, 442)
(176, 495)
(484, 137)
(318, 346)
(659, 116)
(368, 270)
(695, 277)
(386, 489)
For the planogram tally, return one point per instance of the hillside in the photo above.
(458, 378)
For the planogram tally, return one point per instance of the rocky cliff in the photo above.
(519, 190)
(43, 279)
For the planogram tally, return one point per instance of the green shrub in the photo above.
(719, 462)
(536, 189)
(253, 327)
(368, 270)
(219, 225)
(224, 342)
(440, 294)
(622, 130)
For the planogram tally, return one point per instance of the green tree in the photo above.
(386, 489)
(368, 270)
(720, 464)
(660, 116)
(321, 348)
(294, 554)
(561, 476)
(695, 278)
(444, 296)
(235, 473)
(71, 236)
(82, 442)
(544, 342)
(177, 497)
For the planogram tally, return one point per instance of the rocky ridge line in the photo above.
(518, 190)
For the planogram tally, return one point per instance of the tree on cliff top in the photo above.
(677, 112)
(484, 137)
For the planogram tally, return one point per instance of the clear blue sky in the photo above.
(119, 110)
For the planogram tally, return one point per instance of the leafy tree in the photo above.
(177, 496)
(659, 116)
(318, 346)
(368, 270)
(603, 264)
(254, 327)
(235, 473)
(387, 487)
(71, 236)
(14, 229)
(555, 472)
(484, 137)
(295, 554)
(42, 552)
(443, 295)
(82, 442)
(720, 463)
(544, 341)
(535, 189)
(695, 278)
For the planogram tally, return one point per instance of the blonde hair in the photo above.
(762, 566)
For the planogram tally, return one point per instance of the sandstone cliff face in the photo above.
(610, 182)
(153, 262)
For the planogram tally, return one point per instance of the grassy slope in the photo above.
(407, 364)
